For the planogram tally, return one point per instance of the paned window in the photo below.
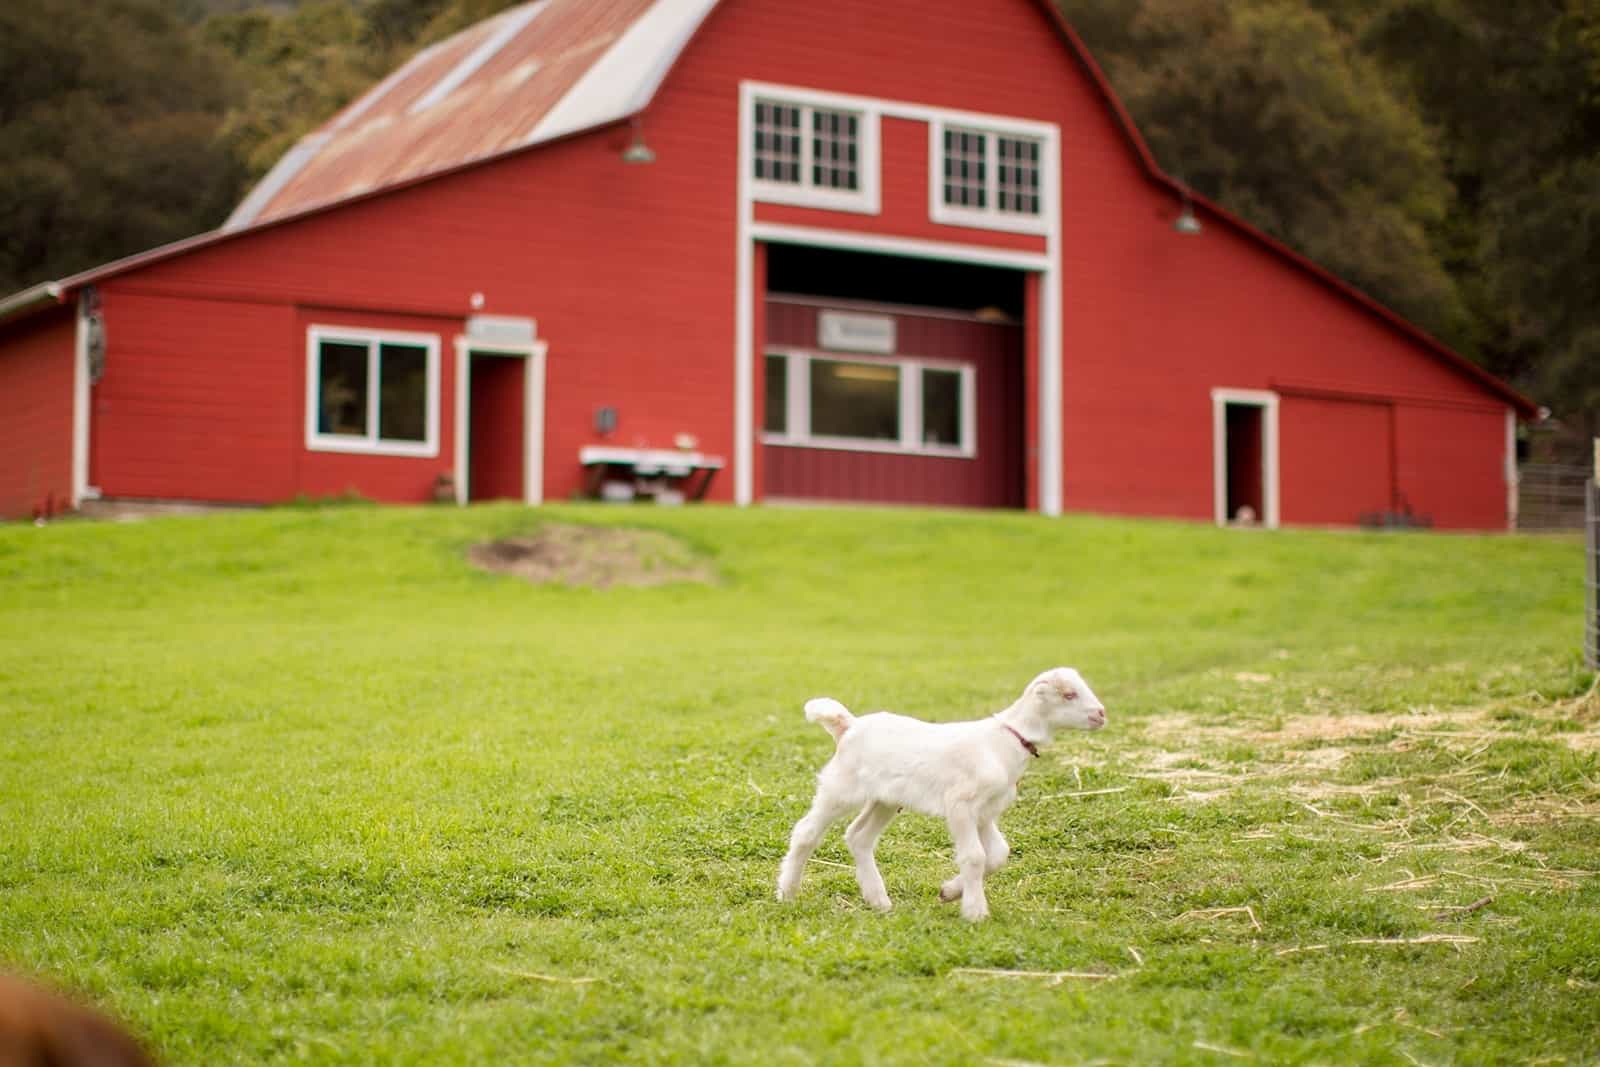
(988, 178)
(835, 152)
(1017, 175)
(813, 153)
(965, 170)
(777, 147)
(889, 404)
(372, 392)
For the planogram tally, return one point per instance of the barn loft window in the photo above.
(892, 404)
(988, 178)
(372, 391)
(813, 152)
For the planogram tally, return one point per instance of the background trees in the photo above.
(1442, 155)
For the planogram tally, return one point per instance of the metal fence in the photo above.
(1550, 496)
(1591, 582)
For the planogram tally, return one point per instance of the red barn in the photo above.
(899, 251)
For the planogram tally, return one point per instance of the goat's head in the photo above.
(1066, 700)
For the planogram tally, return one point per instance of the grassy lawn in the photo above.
(301, 785)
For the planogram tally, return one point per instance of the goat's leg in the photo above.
(862, 837)
(995, 852)
(971, 859)
(825, 811)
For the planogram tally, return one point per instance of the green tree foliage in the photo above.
(1515, 90)
(108, 135)
(297, 69)
(1267, 108)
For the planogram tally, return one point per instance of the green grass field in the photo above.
(300, 785)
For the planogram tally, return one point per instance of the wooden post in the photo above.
(1591, 561)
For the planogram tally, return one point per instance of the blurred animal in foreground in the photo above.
(39, 1028)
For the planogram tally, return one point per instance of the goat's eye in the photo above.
(1069, 694)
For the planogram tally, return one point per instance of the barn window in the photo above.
(1017, 175)
(369, 391)
(891, 404)
(817, 152)
(965, 169)
(777, 148)
(989, 178)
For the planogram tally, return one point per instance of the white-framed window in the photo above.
(374, 391)
(868, 403)
(812, 150)
(989, 177)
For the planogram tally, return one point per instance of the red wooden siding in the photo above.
(1337, 459)
(1451, 463)
(36, 383)
(993, 478)
(197, 399)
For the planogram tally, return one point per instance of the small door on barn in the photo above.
(496, 427)
(1245, 463)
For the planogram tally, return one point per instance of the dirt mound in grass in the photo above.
(596, 556)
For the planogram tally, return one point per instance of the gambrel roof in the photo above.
(547, 69)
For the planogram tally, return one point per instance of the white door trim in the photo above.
(1268, 403)
(533, 388)
(80, 409)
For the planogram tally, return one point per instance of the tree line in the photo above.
(1441, 155)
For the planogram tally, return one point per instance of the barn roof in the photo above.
(550, 68)
(532, 73)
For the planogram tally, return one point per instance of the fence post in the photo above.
(1591, 556)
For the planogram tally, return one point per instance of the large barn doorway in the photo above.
(889, 379)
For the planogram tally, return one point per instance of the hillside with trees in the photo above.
(1441, 155)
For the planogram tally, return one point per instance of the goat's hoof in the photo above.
(975, 916)
(880, 905)
(950, 892)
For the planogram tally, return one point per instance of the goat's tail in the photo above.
(834, 716)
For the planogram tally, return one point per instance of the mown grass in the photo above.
(300, 785)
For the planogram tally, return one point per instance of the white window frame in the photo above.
(797, 413)
(865, 199)
(1268, 403)
(370, 444)
(990, 217)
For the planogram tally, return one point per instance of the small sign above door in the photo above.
(500, 330)
(845, 331)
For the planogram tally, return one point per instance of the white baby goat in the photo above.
(963, 772)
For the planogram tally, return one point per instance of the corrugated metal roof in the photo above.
(532, 73)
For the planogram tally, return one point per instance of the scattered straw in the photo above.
(1225, 1051)
(1461, 911)
(1212, 913)
(1054, 977)
(552, 978)
(1425, 939)
(1085, 793)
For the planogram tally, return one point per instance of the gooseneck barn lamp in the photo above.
(637, 151)
(1186, 223)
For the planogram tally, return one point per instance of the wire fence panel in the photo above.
(1550, 496)
(1591, 583)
